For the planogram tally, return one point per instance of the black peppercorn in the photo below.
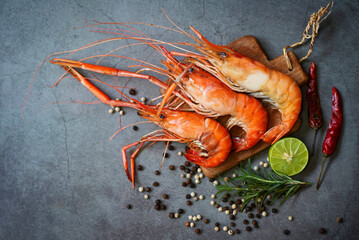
(188, 196)
(245, 221)
(157, 172)
(148, 189)
(194, 168)
(224, 199)
(286, 232)
(206, 220)
(171, 167)
(187, 170)
(189, 203)
(237, 231)
(157, 207)
(227, 195)
(192, 172)
(171, 148)
(225, 208)
(129, 206)
(231, 202)
(238, 201)
(258, 215)
(188, 224)
(155, 184)
(255, 223)
(217, 205)
(184, 184)
(274, 210)
(248, 229)
(251, 215)
(132, 92)
(339, 220)
(232, 224)
(188, 164)
(322, 231)
(180, 211)
(253, 206)
(166, 155)
(171, 214)
(135, 128)
(192, 185)
(158, 201)
(216, 224)
(232, 217)
(165, 196)
(182, 167)
(188, 181)
(163, 207)
(197, 231)
(268, 202)
(211, 179)
(139, 167)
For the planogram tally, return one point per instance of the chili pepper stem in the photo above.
(321, 170)
(315, 136)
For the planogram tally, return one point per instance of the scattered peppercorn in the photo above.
(211, 179)
(237, 231)
(217, 205)
(158, 207)
(216, 224)
(129, 206)
(163, 207)
(132, 92)
(238, 201)
(182, 167)
(268, 202)
(258, 215)
(188, 164)
(184, 184)
(187, 170)
(232, 217)
(158, 201)
(156, 184)
(206, 220)
(135, 128)
(248, 229)
(225, 208)
(251, 215)
(231, 202)
(171, 148)
(148, 189)
(274, 210)
(187, 224)
(322, 231)
(224, 199)
(157, 172)
(192, 185)
(180, 211)
(245, 221)
(197, 231)
(227, 195)
(192, 172)
(171, 167)
(286, 232)
(166, 155)
(189, 203)
(339, 220)
(139, 167)
(233, 224)
(188, 196)
(255, 223)
(165, 196)
(188, 181)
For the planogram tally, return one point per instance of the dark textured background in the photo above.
(60, 177)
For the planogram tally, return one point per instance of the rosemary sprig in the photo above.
(257, 184)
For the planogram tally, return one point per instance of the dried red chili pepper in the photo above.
(333, 132)
(315, 116)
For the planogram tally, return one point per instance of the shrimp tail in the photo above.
(193, 157)
(275, 133)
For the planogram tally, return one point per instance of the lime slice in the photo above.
(288, 156)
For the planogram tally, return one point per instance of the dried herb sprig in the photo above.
(256, 185)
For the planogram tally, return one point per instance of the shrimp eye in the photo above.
(190, 70)
(223, 54)
(162, 116)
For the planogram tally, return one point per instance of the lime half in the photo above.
(288, 156)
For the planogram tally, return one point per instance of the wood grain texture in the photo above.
(249, 46)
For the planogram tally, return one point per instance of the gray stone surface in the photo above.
(60, 177)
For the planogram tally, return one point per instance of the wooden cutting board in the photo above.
(249, 46)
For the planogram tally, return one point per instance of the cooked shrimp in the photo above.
(243, 74)
(209, 143)
(215, 99)
(204, 93)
